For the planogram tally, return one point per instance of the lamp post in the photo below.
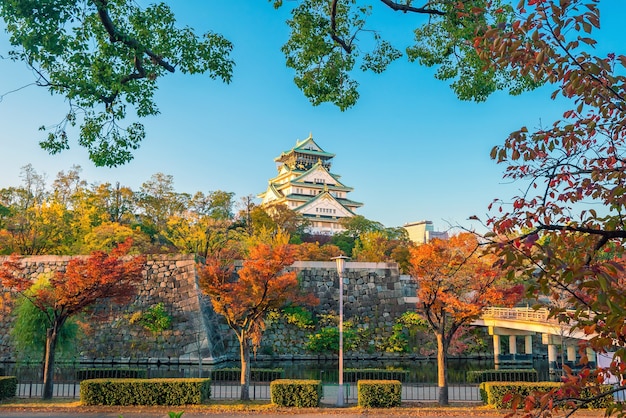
(341, 260)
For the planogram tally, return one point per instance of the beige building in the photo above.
(422, 232)
(305, 184)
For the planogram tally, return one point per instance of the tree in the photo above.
(108, 235)
(354, 227)
(267, 287)
(117, 202)
(205, 226)
(216, 205)
(557, 233)
(35, 223)
(84, 282)
(28, 333)
(104, 56)
(158, 201)
(309, 251)
(200, 235)
(371, 246)
(328, 37)
(454, 283)
(278, 217)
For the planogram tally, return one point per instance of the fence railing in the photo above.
(225, 383)
(522, 314)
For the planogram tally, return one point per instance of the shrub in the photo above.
(144, 391)
(379, 393)
(299, 393)
(8, 386)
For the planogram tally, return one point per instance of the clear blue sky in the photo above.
(410, 148)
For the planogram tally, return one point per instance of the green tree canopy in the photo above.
(105, 56)
(108, 57)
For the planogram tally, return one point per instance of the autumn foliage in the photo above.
(455, 281)
(85, 281)
(244, 298)
(565, 233)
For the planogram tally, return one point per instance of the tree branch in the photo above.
(398, 7)
(116, 36)
(402, 7)
(333, 28)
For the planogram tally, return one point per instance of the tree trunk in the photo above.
(244, 348)
(442, 369)
(48, 368)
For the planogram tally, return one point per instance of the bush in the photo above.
(144, 391)
(379, 393)
(110, 373)
(8, 386)
(299, 393)
(493, 393)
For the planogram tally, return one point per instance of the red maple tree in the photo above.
(85, 281)
(455, 282)
(244, 299)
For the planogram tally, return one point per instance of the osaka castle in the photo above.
(306, 185)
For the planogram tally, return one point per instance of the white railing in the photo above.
(522, 314)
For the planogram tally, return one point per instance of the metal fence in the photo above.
(225, 382)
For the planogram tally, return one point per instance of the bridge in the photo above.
(529, 323)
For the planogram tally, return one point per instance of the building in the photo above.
(306, 185)
(422, 232)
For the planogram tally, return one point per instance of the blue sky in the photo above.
(410, 148)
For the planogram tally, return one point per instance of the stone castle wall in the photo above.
(373, 293)
(373, 296)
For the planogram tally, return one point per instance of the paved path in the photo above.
(195, 412)
(352, 413)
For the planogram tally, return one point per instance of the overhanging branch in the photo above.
(404, 7)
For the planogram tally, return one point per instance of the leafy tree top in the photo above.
(85, 281)
(262, 279)
(104, 56)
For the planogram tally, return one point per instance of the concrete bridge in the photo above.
(529, 323)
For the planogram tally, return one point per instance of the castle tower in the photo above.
(305, 184)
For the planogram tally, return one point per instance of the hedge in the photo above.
(379, 393)
(299, 393)
(8, 386)
(144, 391)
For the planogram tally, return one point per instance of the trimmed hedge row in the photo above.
(494, 393)
(8, 387)
(144, 391)
(379, 393)
(293, 392)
